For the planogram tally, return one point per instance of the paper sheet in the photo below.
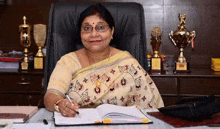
(87, 116)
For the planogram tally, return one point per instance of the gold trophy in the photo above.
(25, 40)
(155, 41)
(181, 38)
(40, 38)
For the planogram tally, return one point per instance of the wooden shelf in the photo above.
(200, 82)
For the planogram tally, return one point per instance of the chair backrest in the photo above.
(129, 33)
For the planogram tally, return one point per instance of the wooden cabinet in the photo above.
(21, 88)
(200, 82)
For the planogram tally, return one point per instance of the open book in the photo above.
(17, 114)
(103, 114)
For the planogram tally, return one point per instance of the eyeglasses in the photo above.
(98, 28)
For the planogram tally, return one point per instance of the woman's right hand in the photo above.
(68, 110)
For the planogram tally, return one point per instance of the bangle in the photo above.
(55, 93)
(56, 107)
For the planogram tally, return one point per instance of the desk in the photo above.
(157, 124)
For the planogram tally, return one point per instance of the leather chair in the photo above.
(129, 31)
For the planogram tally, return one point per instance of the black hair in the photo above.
(99, 10)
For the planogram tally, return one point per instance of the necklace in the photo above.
(98, 83)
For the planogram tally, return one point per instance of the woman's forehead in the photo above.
(93, 19)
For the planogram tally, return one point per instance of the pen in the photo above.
(71, 103)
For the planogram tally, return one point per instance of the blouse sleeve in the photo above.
(62, 73)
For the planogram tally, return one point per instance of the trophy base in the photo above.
(182, 67)
(38, 62)
(26, 66)
(156, 66)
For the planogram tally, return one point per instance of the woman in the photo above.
(99, 73)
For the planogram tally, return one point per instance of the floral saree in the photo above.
(118, 80)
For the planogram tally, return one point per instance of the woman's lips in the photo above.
(95, 41)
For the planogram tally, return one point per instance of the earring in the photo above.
(111, 37)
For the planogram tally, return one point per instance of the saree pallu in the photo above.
(118, 80)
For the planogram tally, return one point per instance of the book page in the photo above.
(119, 112)
(86, 116)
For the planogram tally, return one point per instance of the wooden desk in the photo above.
(200, 82)
(21, 88)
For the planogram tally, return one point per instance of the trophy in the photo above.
(155, 41)
(181, 38)
(40, 38)
(25, 40)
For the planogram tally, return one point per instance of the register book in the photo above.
(18, 114)
(103, 114)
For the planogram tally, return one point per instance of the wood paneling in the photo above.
(166, 85)
(201, 16)
(206, 86)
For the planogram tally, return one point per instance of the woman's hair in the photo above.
(99, 10)
(96, 9)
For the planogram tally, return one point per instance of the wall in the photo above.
(201, 16)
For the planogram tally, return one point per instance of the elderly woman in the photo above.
(99, 73)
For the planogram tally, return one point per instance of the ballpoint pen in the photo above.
(71, 103)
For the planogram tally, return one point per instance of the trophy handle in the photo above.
(170, 35)
(193, 35)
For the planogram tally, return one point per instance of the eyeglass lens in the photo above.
(98, 28)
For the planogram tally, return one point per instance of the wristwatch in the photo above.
(56, 107)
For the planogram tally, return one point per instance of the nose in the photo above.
(94, 32)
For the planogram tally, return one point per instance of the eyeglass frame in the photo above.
(95, 28)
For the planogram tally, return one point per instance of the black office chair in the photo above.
(129, 31)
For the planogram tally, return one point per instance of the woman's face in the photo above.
(95, 33)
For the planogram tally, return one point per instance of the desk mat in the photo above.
(177, 122)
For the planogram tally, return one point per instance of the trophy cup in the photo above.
(25, 40)
(40, 38)
(181, 38)
(155, 41)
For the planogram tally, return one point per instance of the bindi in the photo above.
(95, 12)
